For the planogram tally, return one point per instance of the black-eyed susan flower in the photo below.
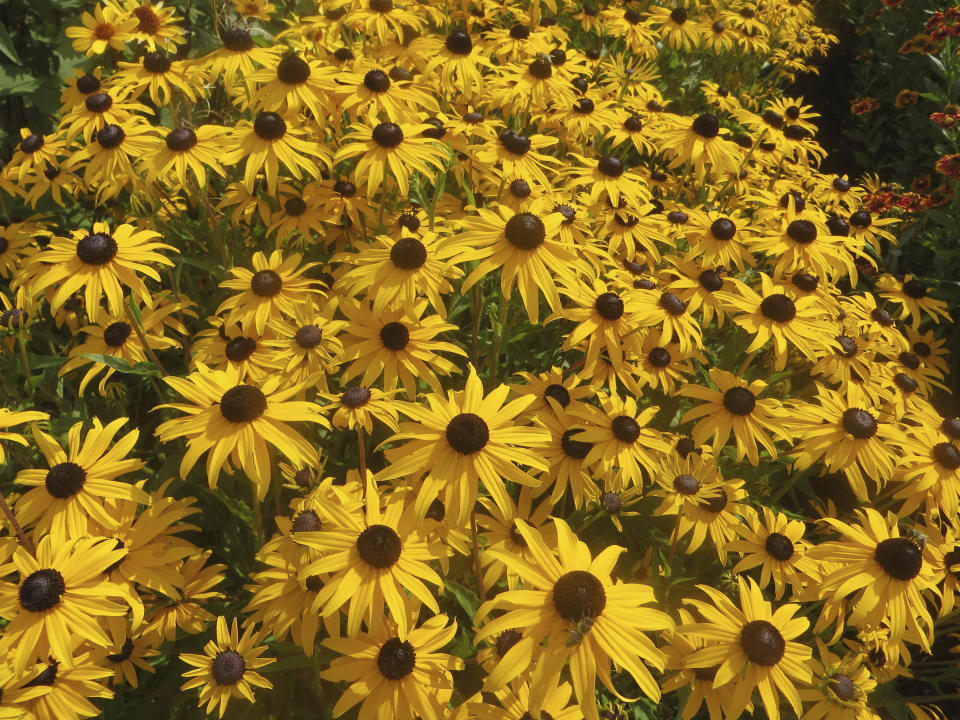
(394, 673)
(238, 58)
(773, 315)
(187, 149)
(754, 646)
(106, 27)
(160, 75)
(886, 573)
(670, 315)
(563, 587)
(64, 692)
(235, 421)
(372, 555)
(269, 141)
(228, 667)
(395, 148)
(776, 546)
(356, 407)
(368, 91)
(858, 440)
(61, 594)
(735, 407)
(291, 84)
(157, 26)
(81, 484)
(275, 288)
(100, 262)
(841, 687)
(499, 528)
(620, 439)
(399, 347)
(513, 701)
(9, 418)
(913, 296)
(700, 143)
(462, 440)
(526, 249)
(187, 613)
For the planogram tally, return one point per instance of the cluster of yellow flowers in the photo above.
(720, 358)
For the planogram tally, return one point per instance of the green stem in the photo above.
(363, 455)
(497, 336)
(22, 341)
(476, 306)
(257, 513)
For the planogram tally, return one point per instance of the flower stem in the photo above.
(363, 455)
(476, 305)
(135, 322)
(257, 513)
(22, 341)
(21, 536)
(476, 554)
(497, 337)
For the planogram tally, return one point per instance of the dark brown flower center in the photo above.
(239, 349)
(459, 43)
(915, 289)
(559, 393)
(625, 429)
(686, 484)
(659, 357)
(506, 640)
(125, 652)
(610, 166)
(467, 433)
(181, 139)
(525, 231)
(387, 135)
(243, 403)
(739, 401)
(843, 687)
(514, 142)
(379, 546)
(706, 126)
(308, 336)
(672, 304)
(612, 502)
(64, 480)
(408, 253)
(294, 207)
(394, 336)
(269, 126)
(576, 449)
(266, 283)
(396, 658)
(88, 84)
(41, 590)
(779, 308)
(947, 455)
(762, 643)
(900, 558)
(97, 249)
(710, 280)
(376, 81)
(31, 143)
(779, 546)
(306, 521)
(156, 62)
(609, 306)
(859, 423)
(860, 219)
(293, 70)
(236, 39)
(228, 667)
(98, 102)
(116, 334)
(355, 396)
(579, 594)
(803, 232)
(110, 136)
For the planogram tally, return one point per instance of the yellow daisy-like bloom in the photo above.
(238, 58)
(754, 648)
(840, 688)
(65, 691)
(274, 288)
(394, 272)
(107, 27)
(620, 439)
(499, 529)
(671, 315)
(459, 61)
(294, 85)
(720, 238)
(394, 674)
(387, 21)
(236, 421)
(61, 594)
(679, 647)
(9, 418)
(912, 295)
(269, 141)
(565, 455)
(805, 243)
(775, 315)
(228, 667)
(357, 406)
(81, 483)
(887, 574)
(399, 347)
(160, 75)
(188, 612)
(157, 25)
(930, 466)
(35, 152)
(858, 440)
(527, 250)
(372, 554)
(370, 91)
(700, 143)
(107, 159)
(401, 148)
(101, 263)
(514, 699)
(519, 155)
(775, 545)
(586, 619)
(462, 440)
(735, 407)
(187, 149)
(115, 337)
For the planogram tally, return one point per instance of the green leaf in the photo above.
(17, 84)
(144, 369)
(6, 46)
(467, 598)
